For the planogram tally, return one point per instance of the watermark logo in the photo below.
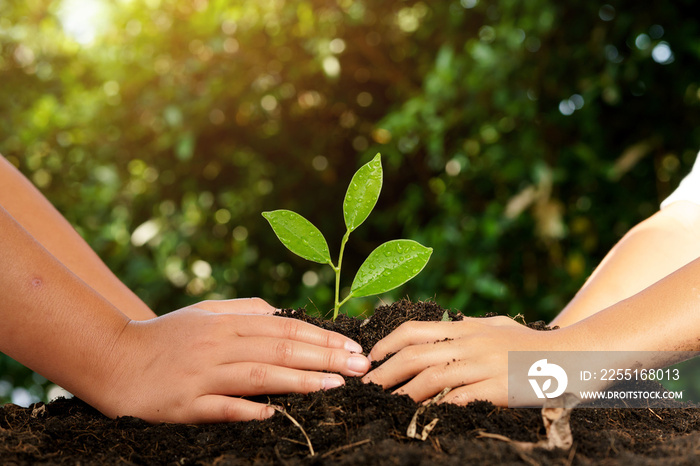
(547, 372)
(610, 379)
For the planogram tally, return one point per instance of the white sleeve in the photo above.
(689, 189)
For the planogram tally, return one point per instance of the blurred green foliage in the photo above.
(521, 139)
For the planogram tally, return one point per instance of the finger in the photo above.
(238, 306)
(417, 333)
(298, 355)
(216, 408)
(434, 379)
(293, 329)
(243, 379)
(410, 361)
(493, 390)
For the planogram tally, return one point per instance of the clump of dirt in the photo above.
(386, 319)
(355, 424)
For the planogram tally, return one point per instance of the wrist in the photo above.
(120, 365)
(588, 334)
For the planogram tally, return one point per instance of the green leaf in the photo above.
(299, 235)
(363, 193)
(390, 265)
(446, 317)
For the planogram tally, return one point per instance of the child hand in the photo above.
(469, 356)
(194, 365)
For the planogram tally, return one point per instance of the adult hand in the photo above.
(469, 356)
(194, 364)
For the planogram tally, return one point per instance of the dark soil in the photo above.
(355, 424)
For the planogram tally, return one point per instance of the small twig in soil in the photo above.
(436, 444)
(493, 436)
(555, 415)
(572, 453)
(411, 432)
(293, 441)
(345, 447)
(294, 421)
(492, 411)
(652, 412)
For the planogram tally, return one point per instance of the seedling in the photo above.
(390, 265)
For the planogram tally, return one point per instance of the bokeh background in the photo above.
(520, 139)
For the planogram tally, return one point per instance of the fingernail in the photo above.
(353, 347)
(357, 363)
(332, 382)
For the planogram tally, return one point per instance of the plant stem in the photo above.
(338, 303)
(345, 300)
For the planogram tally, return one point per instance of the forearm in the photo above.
(652, 250)
(662, 317)
(42, 221)
(50, 320)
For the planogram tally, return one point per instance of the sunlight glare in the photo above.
(82, 19)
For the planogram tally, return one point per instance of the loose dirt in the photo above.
(354, 424)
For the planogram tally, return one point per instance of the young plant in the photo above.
(390, 265)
